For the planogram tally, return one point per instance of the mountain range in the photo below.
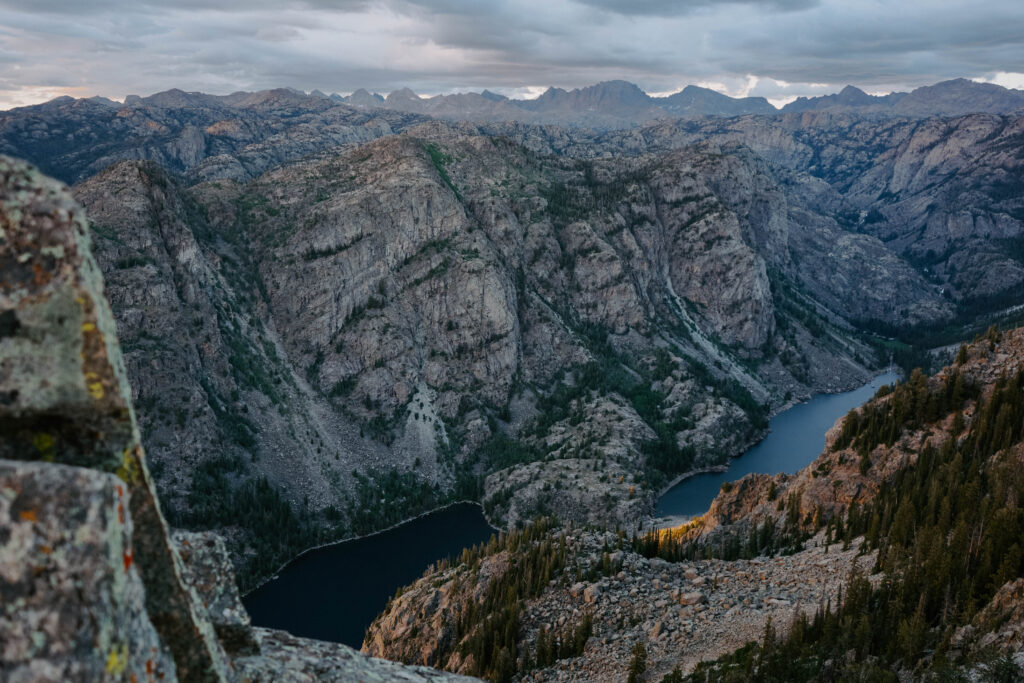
(336, 315)
(606, 105)
(620, 103)
(345, 301)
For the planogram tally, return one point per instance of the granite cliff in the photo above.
(335, 317)
(94, 585)
(396, 321)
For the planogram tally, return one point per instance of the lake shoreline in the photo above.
(711, 469)
(273, 575)
(652, 519)
(682, 506)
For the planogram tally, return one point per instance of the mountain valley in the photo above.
(336, 313)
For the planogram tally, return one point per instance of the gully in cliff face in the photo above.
(94, 587)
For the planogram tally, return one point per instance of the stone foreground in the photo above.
(92, 586)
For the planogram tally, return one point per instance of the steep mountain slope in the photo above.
(95, 586)
(895, 555)
(546, 319)
(947, 195)
(930, 473)
(378, 329)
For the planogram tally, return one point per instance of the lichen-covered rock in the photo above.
(91, 585)
(65, 395)
(62, 384)
(73, 599)
(208, 570)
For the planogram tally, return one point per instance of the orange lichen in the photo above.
(39, 274)
(29, 516)
(128, 560)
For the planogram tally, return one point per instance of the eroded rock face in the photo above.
(299, 660)
(92, 586)
(397, 305)
(66, 392)
(61, 376)
(73, 597)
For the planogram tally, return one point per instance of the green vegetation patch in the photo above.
(441, 160)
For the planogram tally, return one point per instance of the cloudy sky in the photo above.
(775, 48)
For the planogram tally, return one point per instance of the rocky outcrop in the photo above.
(74, 597)
(683, 613)
(208, 571)
(998, 626)
(299, 660)
(67, 401)
(93, 586)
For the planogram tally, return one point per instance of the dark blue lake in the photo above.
(797, 437)
(335, 592)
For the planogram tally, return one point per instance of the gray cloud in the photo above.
(790, 47)
(93, 7)
(672, 8)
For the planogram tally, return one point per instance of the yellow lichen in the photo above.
(88, 327)
(117, 660)
(94, 386)
(129, 471)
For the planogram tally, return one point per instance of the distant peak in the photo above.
(618, 83)
(402, 94)
(492, 96)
